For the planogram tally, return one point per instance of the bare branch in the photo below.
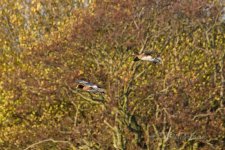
(50, 140)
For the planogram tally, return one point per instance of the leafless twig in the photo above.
(50, 140)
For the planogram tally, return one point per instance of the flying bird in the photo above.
(148, 56)
(89, 87)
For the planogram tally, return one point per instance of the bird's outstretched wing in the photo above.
(153, 53)
(90, 87)
(149, 52)
(98, 90)
(85, 83)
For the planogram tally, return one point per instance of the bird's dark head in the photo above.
(79, 86)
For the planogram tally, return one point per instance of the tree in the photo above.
(176, 105)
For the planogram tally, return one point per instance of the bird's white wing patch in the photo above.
(148, 58)
(94, 86)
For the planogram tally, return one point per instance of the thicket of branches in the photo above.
(178, 104)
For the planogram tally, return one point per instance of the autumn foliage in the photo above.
(178, 104)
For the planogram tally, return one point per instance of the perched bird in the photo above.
(89, 87)
(148, 56)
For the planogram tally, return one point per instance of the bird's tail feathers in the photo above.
(101, 90)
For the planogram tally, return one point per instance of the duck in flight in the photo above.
(89, 87)
(149, 56)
